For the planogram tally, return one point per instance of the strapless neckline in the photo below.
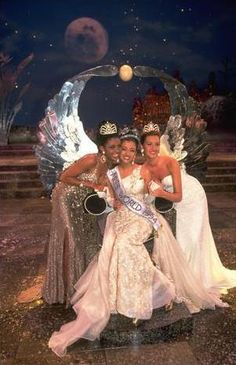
(132, 173)
(166, 177)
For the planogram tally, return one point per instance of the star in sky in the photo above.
(189, 36)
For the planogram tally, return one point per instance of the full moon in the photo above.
(126, 73)
(86, 40)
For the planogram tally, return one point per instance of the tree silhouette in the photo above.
(226, 73)
(212, 85)
(10, 93)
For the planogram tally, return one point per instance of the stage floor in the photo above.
(26, 328)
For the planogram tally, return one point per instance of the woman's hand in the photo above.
(117, 204)
(154, 186)
(102, 184)
(158, 193)
(99, 187)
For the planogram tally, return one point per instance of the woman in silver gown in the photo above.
(122, 278)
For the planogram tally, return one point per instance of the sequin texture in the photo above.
(74, 240)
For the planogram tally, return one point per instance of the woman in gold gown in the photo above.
(74, 235)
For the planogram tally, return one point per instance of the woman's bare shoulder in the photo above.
(165, 158)
(89, 160)
(90, 157)
(144, 170)
(168, 160)
(143, 167)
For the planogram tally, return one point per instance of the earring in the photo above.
(142, 152)
(103, 157)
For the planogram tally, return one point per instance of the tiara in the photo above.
(129, 133)
(108, 128)
(151, 127)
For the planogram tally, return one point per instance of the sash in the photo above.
(131, 203)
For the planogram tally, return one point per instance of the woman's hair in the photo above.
(106, 130)
(150, 129)
(151, 133)
(132, 140)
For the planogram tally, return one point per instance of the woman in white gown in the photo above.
(122, 278)
(193, 231)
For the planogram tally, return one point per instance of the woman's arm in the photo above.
(176, 195)
(71, 175)
(176, 178)
(146, 175)
(112, 199)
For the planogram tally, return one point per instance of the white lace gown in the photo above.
(123, 279)
(193, 232)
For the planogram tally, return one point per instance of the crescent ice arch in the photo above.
(62, 139)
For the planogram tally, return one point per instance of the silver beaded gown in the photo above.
(74, 240)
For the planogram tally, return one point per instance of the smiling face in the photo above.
(151, 146)
(112, 149)
(128, 151)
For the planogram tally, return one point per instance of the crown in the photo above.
(151, 127)
(108, 128)
(127, 132)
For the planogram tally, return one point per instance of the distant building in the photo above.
(154, 107)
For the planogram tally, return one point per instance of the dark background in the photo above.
(194, 37)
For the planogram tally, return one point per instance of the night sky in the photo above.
(191, 36)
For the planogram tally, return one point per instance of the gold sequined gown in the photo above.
(74, 240)
(123, 279)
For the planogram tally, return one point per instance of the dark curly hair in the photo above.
(102, 139)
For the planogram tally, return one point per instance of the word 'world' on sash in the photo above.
(131, 203)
